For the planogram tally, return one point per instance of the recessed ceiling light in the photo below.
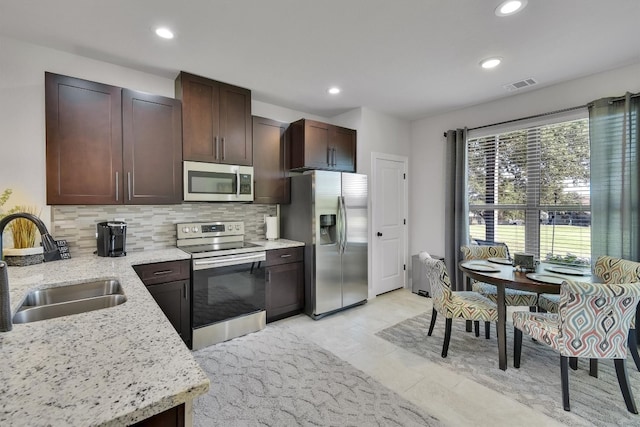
(164, 32)
(334, 90)
(510, 7)
(490, 63)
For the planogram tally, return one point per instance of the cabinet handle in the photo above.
(215, 141)
(184, 288)
(333, 157)
(268, 276)
(329, 156)
(129, 184)
(161, 272)
(285, 256)
(222, 143)
(116, 186)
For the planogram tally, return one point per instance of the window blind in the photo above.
(529, 186)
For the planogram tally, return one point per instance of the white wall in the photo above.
(427, 161)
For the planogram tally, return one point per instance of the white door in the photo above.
(389, 207)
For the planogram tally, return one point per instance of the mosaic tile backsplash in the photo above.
(152, 226)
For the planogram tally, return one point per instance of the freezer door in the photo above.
(328, 289)
(355, 245)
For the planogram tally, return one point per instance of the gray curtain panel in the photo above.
(456, 209)
(615, 187)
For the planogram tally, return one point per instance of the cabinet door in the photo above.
(200, 111)
(235, 126)
(173, 417)
(269, 166)
(343, 142)
(152, 148)
(173, 299)
(316, 145)
(285, 290)
(84, 142)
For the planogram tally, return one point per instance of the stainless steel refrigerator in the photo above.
(328, 212)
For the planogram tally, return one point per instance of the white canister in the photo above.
(272, 227)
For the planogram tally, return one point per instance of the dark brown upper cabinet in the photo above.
(108, 145)
(216, 121)
(270, 166)
(317, 145)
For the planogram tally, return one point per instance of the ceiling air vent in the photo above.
(521, 84)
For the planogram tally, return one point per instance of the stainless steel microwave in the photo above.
(214, 182)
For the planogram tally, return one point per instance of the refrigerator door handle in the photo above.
(340, 226)
(345, 225)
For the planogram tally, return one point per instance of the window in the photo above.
(528, 186)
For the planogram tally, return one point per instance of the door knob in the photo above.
(379, 234)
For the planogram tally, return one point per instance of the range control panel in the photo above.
(209, 229)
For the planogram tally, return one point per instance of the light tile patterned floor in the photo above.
(454, 399)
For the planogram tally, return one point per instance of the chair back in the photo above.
(617, 270)
(484, 252)
(436, 272)
(595, 318)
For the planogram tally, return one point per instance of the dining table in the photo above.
(546, 279)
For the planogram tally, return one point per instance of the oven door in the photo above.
(227, 287)
(213, 182)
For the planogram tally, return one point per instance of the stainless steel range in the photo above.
(227, 280)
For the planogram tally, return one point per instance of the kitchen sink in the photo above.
(61, 301)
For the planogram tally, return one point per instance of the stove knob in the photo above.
(185, 229)
(194, 229)
(237, 226)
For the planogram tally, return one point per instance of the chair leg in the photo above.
(517, 347)
(633, 346)
(447, 337)
(468, 325)
(564, 376)
(476, 327)
(487, 330)
(434, 314)
(573, 363)
(533, 309)
(623, 380)
(593, 367)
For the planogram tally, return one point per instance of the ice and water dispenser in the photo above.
(328, 229)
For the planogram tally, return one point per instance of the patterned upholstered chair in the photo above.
(609, 270)
(512, 296)
(592, 321)
(466, 304)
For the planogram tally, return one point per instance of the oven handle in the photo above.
(228, 261)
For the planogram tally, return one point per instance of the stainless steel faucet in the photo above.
(51, 253)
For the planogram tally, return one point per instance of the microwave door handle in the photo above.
(238, 183)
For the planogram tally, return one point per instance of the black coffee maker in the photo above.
(112, 238)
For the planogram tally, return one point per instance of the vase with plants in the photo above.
(23, 232)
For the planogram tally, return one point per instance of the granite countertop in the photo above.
(277, 244)
(113, 366)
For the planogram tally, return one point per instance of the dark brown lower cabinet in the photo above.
(284, 275)
(168, 284)
(173, 417)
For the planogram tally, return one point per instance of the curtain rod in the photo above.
(564, 110)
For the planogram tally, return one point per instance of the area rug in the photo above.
(277, 378)
(594, 401)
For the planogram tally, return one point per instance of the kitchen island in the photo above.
(108, 367)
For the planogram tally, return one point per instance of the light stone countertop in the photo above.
(110, 367)
(277, 244)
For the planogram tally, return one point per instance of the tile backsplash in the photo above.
(150, 226)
